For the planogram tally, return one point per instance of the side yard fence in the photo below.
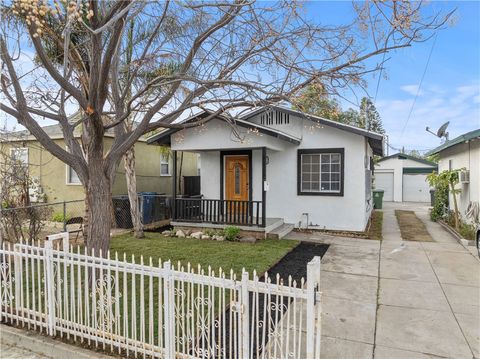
(39, 220)
(158, 310)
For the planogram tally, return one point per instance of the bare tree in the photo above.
(195, 55)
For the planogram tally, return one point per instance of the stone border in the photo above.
(43, 345)
(464, 242)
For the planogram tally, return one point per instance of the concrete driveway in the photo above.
(398, 299)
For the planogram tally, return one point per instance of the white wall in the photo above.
(210, 174)
(465, 155)
(216, 135)
(396, 166)
(330, 212)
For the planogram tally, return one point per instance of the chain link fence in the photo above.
(39, 220)
(35, 222)
(155, 210)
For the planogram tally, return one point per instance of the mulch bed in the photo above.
(411, 227)
(294, 263)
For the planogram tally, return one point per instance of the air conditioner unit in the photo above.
(464, 176)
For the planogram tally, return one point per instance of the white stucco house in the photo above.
(463, 152)
(274, 169)
(403, 178)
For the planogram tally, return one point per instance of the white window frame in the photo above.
(14, 149)
(168, 162)
(67, 179)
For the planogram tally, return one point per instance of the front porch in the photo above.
(245, 209)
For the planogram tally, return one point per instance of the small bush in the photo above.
(58, 217)
(467, 231)
(440, 204)
(231, 233)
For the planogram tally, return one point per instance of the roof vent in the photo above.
(273, 117)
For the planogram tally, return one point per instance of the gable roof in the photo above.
(375, 139)
(164, 136)
(457, 140)
(403, 156)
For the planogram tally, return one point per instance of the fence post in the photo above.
(64, 236)
(244, 315)
(169, 311)
(64, 216)
(49, 280)
(313, 283)
(17, 259)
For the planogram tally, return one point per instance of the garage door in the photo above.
(415, 188)
(385, 181)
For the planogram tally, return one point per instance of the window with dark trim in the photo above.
(320, 172)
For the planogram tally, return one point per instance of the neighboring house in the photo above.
(463, 152)
(275, 165)
(59, 182)
(403, 178)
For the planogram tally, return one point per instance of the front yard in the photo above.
(227, 255)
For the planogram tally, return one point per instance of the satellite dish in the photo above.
(442, 130)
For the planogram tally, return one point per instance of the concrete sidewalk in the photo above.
(399, 299)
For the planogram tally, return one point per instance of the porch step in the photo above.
(281, 231)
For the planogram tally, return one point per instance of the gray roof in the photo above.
(375, 139)
(54, 132)
(404, 156)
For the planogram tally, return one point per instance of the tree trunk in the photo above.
(99, 202)
(129, 163)
(455, 205)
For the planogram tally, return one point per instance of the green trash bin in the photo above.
(378, 198)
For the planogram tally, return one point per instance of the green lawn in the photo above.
(228, 255)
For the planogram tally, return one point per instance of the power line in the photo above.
(420, 85)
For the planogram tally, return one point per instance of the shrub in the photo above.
(440, 204)
(231, 233)
(58, 217)
(467, 231)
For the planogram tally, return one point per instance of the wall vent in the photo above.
(274, 118)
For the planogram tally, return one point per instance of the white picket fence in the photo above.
(157, 309)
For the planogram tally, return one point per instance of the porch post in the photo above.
(264, 193)
(174, 185)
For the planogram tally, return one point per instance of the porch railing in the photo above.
(219, 211)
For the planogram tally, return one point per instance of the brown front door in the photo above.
(236, 178)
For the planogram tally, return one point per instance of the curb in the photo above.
(464, 242)
(44, 345)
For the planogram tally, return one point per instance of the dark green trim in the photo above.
(457, 140)
(418, 170)
(403, 156)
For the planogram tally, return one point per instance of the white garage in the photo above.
(403, 178)
(415, 188)
(384, 181)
